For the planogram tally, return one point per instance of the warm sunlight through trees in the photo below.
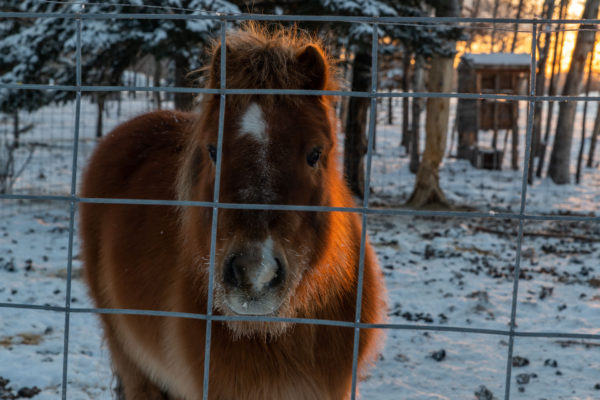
(481, 42)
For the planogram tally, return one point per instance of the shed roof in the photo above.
(499, 60)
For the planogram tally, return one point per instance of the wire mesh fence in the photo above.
(80, 144)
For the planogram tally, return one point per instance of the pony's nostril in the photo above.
(279, 275)
(231, 275)
(252, 274)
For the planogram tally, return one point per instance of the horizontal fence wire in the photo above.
(232, 17)
(365, 210)
(303, 321)
(295, 92)
(285, 207)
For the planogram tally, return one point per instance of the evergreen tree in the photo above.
(27, 54)
(43, 50)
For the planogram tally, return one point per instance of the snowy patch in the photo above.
(438, 271)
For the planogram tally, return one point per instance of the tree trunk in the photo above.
(390, 109)
(585, 105)
(593, 140)
(516, 29)
(156, 79)
(494, 15)
(16, 129)
(427, 191)
(133, 93)
(560, 158)
(474, 13)
(343, 114)
(540, 87)
(495, 112)
(183, 101)
(467, 113)
(355, 144)
(552, 89)
(405, 88)
(417, 107)
(99, 121)
(514, 155)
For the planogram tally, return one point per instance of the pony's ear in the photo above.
(215, 66)
(312, 61)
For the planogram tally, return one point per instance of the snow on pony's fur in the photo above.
(298, 264)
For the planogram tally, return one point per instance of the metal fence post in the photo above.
(73, 207)
(527, 160)
(365, 204)
(213, 232)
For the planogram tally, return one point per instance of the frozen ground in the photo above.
(442, 271)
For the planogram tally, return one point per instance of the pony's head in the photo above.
(277, 149)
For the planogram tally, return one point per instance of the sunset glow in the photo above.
(482, 42)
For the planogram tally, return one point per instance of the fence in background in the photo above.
(364, 209)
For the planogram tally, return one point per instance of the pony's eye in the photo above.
(212, 152)
(313, 157)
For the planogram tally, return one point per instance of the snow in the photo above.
(497, 59)
(442, 271)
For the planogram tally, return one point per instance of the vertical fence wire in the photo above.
(215, 211)
(73, 207)
(366, 190)
(526, 161)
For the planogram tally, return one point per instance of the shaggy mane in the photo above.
(259, 57)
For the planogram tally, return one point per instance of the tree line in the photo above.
(42, 50)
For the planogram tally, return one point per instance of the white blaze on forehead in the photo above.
(253, 123)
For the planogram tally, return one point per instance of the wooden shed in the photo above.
(494, 73)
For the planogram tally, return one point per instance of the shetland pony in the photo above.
(277, 149)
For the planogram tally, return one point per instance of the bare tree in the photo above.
(516, 28)
(100, 100)
(427, 191)
(406, 57)
(8, 171)
(474, 13)
(183, 101)
(355, 145)
(594, 140)
(585, 106)
(559, 37)
(558, 168)
(494, 15)
(156, 81)
(540, 87)
(417, 107)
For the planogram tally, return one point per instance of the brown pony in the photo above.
(277, 149)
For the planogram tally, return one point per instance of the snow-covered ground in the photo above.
(442, 271)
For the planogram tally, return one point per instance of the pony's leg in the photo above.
(132, 384)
